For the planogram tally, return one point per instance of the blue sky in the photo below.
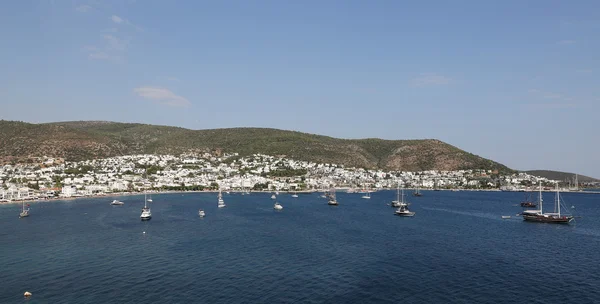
(514, 81)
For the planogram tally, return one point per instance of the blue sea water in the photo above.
(457, 249)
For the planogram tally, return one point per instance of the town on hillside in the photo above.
(45, 177)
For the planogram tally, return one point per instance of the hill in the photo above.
(95, 139)
(561, 176)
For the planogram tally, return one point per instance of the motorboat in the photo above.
(117, 203)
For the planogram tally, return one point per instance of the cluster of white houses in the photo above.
(50, 177)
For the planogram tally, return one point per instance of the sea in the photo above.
(456, 249)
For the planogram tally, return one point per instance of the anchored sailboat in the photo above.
(24, 212)
(403, 208)
(221, 202)
(547, 217)
(146, 213)
(332, 200)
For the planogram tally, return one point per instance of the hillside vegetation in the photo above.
(94, 139)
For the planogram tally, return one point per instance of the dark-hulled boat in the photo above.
(547, 217)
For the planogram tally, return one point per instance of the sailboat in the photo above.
(397, 203)
(332, 200)
(24, 212)
(528, 202)
(295, 194)
(273, 196)
(403, 208)
(150, 199)
(221, 202)
(146, 213)
(417, 192)
(547, 217)
(367, 194)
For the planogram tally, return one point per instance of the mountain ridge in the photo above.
(561, 176)
(80, 140)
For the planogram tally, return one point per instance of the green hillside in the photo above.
(92, 139)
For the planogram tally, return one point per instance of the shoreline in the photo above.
(125, 194)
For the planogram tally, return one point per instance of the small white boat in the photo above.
(277, 206)
(146, 213)
(505, 217)
(201, 213)
(221, 202)
(332, 200)
(367, 195)
(273, 196)
(24, 212)
(402, 205)
(117, 203)
(294, 195)
(403, 211)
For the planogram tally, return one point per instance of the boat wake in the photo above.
(468, 213)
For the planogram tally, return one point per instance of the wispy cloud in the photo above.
(117, 19)
(114, 43)
(162, 96)
(98, 55)
(430, 79)
(565, 42)
(83, 8)
(551, 106)
(555, 100)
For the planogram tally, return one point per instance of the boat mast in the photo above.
(145, 206)
(557, 200)
(541, 199)
(398, 193)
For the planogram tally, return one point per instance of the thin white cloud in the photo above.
(114, 43)
(555, 100)
(117, 19)
(430, 79)
(565, 42)
(84, 8)
(162, 96)
(551, 106)
(98, 55)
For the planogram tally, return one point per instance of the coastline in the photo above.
(124, 194)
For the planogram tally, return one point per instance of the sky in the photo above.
(513, 81)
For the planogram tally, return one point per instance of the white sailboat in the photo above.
(146, 213)
(332, 200)
(295, 194)
(403, 208)
(24, 212)
(277, 206)
(150, 199)
(367, 195)
(273, 196)
(397, 203)
(221, 202)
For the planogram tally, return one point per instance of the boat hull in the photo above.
(146, 218)
(404, 214)
(547, 219)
